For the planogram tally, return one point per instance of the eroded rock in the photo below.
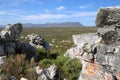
(46, 74)
(38, 41)
(28, 50)
(101, 52)
(11, 32)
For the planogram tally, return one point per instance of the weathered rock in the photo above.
(93, 71)
(101, 17)
(38, 41)
(109, 20)
(100, 53)
(74, 52)
(10, 44)
(46, 74)
(84, 43)
(106, 57)
(10, 48)
(2, 52)
(2, 60)
(82, 39)
(108, 16)
(11, 32)
(28, 50)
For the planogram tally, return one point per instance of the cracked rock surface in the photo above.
(99, 52)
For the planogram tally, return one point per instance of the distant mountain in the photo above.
(1, 25)
(62, 24)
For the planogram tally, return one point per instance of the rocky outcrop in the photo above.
(99, 52)
(46, 74)
(84, 43)
(10, 43)
(38, 41)
(11, 32)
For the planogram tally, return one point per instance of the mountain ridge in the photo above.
(61, 24)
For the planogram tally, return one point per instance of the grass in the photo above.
(66, 68)
(59, 34)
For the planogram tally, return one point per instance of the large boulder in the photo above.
(10, 43)
(10, 48)
(28, 50)
(108, 16)
(100, 52)
(84, 43)
(2, 51)
(38, 41)
(108, 23)
(11, 32)
(46, 74)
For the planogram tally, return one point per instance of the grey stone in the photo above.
(109, 19)
(28, 50)
(11, 32)
(2, 52)
(86, 39)
(101, 54)
(2, 60)
(110, 37)
(101, 17)
(108, 57)
(38, 41)
(10, 48)
(74, 52)
(108, 16)
(46, 74)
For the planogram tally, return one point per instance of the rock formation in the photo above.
(10, 43)
(99, 52)
(46, 74)
(38, 41)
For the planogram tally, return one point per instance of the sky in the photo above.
(52, 11)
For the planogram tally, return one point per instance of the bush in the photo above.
(45, 63)
(18, 67)
(71, 69)
(60, 60)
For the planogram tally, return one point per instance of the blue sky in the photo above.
(52, 11)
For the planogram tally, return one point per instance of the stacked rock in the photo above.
(99, 52)
(10, 43)
(38, 41)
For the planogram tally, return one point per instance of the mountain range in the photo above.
(62, 24)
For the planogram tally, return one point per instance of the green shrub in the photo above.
(45, 63)
(71, 69)
(60, 60)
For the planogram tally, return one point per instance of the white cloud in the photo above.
(83, 14)
(57, 16)
(3, 12)
(85, 6)
(10, 12)
(43, 16)
(60, 8)
(18, 2)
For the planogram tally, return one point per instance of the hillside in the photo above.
(62, 24)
